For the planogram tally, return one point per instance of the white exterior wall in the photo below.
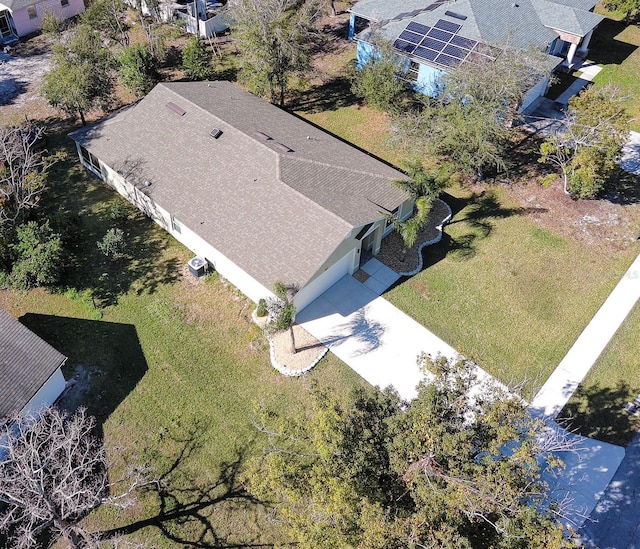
(328, 278)
(248, 285)
(47, 394)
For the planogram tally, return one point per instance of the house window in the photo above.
(31, 11)
(64, 3)
(175, 224)
(412, 73)
(90, 161)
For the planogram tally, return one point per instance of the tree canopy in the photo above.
(467, 124)
(378, 81)
(459, 466)
(274, 38)
(81, 77)
(590, 142)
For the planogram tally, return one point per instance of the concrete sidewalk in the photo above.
(563, 382)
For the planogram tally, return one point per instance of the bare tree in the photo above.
(53, 471)
(23, 170)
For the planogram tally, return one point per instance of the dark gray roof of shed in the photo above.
(26, 364)
(278, 215)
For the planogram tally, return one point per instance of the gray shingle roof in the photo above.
(15, 5)
(524, 23)
(278, 215)
(26, 363)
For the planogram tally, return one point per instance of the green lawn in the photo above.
(506, 292)
(170, 367)
(597, 408)
(615, 46)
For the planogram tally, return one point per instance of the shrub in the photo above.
(195, 60)
(38, 256)
(138, 69)
(262, 308)
(112, 244)
(118, 211)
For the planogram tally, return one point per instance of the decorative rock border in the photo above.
(290, 372)
(429, 242)
(284, 370)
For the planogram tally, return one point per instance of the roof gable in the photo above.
(26, 363)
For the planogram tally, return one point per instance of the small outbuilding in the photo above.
(30, 369)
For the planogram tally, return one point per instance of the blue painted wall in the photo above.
(428, 77)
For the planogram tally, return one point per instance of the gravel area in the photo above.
(392, 252)
(309, 349)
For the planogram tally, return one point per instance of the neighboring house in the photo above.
(21, 17)
(30, 369)
(263, 195)
(438, 36)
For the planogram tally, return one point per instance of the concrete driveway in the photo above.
(377, 340)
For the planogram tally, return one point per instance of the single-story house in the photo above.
(21, 17)
(436, 36)
(30, 369)
(260, 193)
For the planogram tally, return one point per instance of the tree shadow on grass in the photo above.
(599, 412)
(330, 96)
(184, 507)
(476, 213)
(105, 360)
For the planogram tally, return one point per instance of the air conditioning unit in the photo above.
(198, 266)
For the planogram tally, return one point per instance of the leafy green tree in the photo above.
(274, 38)
(590, 143)
(468, 123)
(195, 59)
(378, 81)
(282, 311)
(37, 256)
(138, 69)
(423, 188)
(459, 466)
(113, 244)
(81, 77)
(108, 17)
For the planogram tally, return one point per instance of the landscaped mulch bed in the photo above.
(392, 252)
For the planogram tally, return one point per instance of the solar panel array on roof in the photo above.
(441, 44)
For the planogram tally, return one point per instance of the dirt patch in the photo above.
(21, 72)
(603, 223)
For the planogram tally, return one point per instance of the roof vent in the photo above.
(284, 148)
(174, 108)
(147, 183)
(263, 136)
(215, 133)
(456, 15)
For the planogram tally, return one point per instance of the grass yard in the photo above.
(597, 407)
(506, 291)
(169, 365)
(616, 46)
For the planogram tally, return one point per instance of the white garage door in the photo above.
(327, 279)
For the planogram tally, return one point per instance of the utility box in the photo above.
(198, 266)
